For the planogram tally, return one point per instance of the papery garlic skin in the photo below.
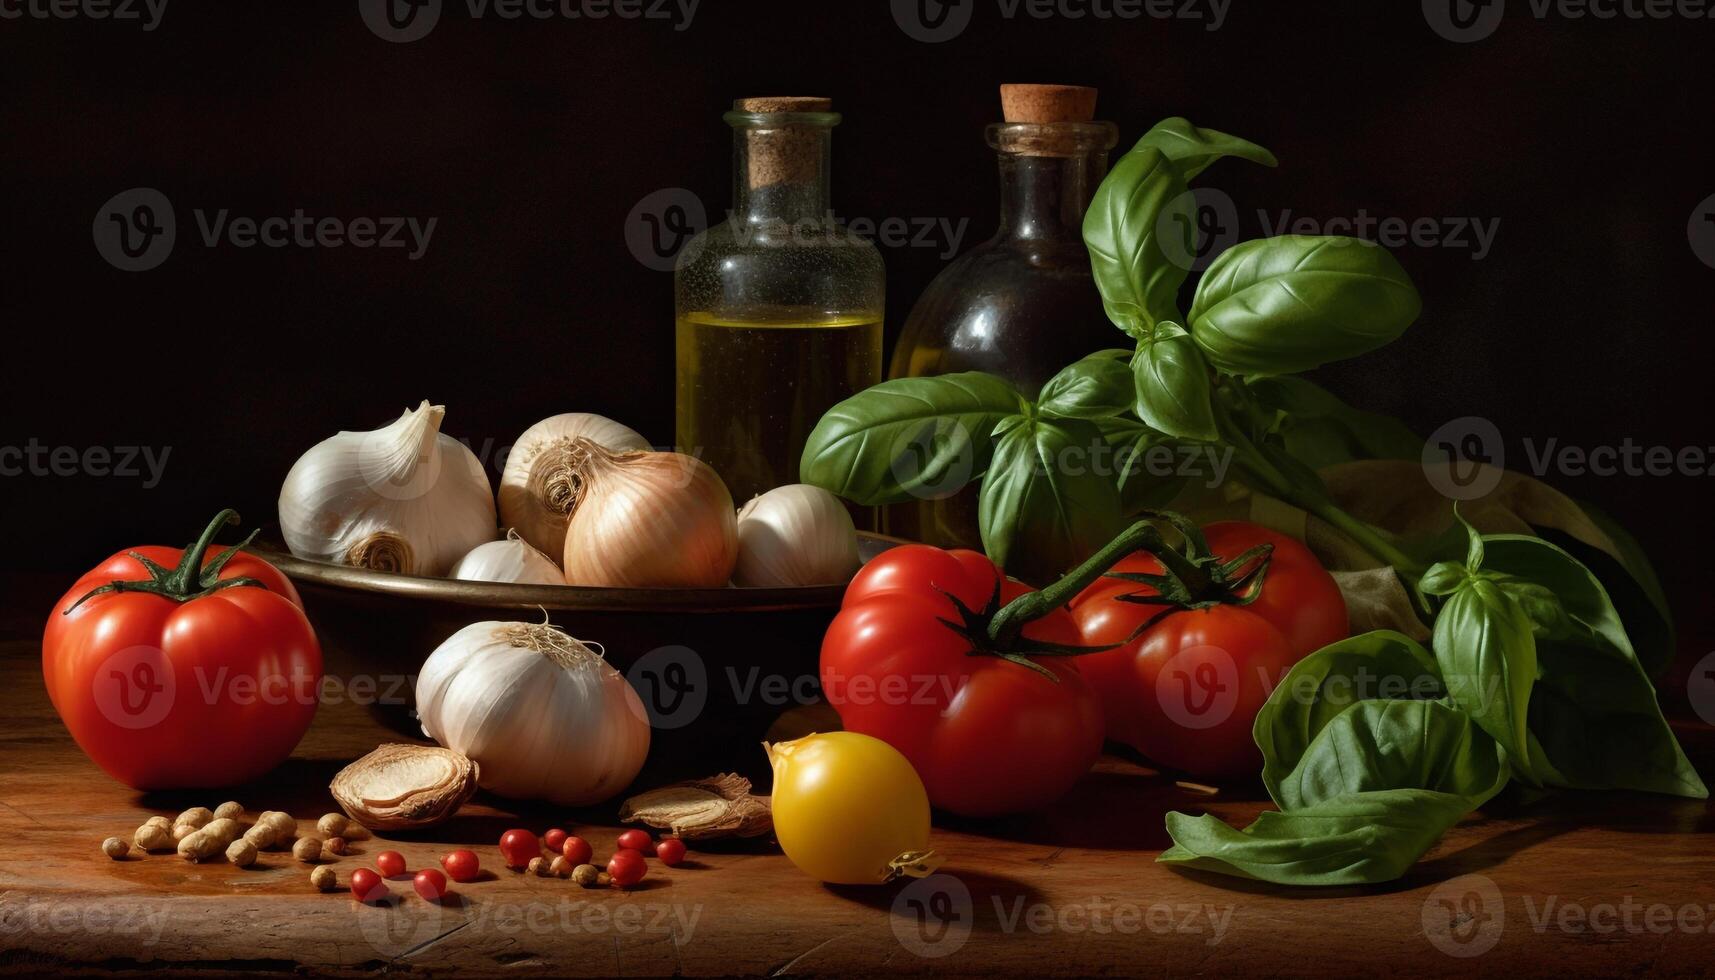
(540, 484)
(403, 498)
(795, 535)
(650, 520)
(541, 714)
(511, 560)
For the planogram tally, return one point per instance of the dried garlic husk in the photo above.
(702, 809)
(398, 787)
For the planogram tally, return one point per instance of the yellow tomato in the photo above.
(847, 806)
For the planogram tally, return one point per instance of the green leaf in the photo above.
(1142, 197)
(1044, 506)
(1487, 652)
(1173, 390)
(1148, 478)
(1194, 148)
(1288, 304)
(910, 438)
(1594, 717)
(1375, 789)
(1099, 386)
(1321, 430)
(1370, 666)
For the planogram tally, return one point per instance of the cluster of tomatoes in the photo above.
(998, 729)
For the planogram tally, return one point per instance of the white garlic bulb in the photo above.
(542, 715)
(649, 521)
(511, 560)
(403, 498)
(541, 485)
(795, 535)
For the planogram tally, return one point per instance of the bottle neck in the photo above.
(1048, 174)
(781, 175)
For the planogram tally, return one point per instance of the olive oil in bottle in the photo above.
(778, 308)
(750, 388)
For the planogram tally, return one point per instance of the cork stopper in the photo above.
(1041, 104)
(786, 154)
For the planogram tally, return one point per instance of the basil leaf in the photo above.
(1142, 197)
(1321, 430)
(1288, 304)
(1376, 788)
(910, 438)
(1484, 644)
(1594, 717)
(1044, 506)
(1099, 386)
(1194, 148)
(1147, 476)
(1174, 394)
(1370, 666)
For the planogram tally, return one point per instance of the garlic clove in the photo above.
(511, 560)
(795, 535)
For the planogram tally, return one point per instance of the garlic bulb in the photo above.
(511, 560)
(541, 714)
(648, 520)
(539, 486)
(795, 535)
(403, 498)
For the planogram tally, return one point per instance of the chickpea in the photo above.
(115, 848)
(307, 850)
(332, 824)
(323, 878)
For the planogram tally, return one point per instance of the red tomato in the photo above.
(577, 850)
(670, 850)
(627, 867)
(430, 884)
(1186, 692)
(391, 864)
(461, 866)
(367, 886)
(638, 840)
(199, 687)
(518, 847)
(987, 736)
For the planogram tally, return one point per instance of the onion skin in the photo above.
(536, 490)
(650, 520)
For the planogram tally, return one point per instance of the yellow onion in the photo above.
(648, 520)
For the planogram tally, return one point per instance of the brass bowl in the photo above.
(708, 664)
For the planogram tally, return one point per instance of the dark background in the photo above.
(531, 140)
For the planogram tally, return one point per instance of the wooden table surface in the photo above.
(1597, 884)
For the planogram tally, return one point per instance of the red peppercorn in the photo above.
(553, 840)
(627, 867)
(461, 866)
(391, 864)
(638, 840)
(430, 884)
(367, 886)
(518, 847)
(577, 851)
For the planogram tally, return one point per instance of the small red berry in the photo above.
(553, 840)
(391, 864)
(518, 847)
(627, 867)
(577, 851)
(638, 840)
(461, 866)
(367, 886)
(430, 884)
(671, 851)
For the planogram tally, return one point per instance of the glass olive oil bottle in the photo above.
(778, 309)
(1023, 304)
